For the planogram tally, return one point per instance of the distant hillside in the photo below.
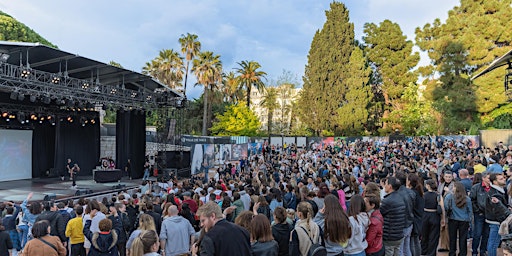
(13, 30)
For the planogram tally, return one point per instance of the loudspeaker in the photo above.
(83, 191)
(49, 197)
(118, 186)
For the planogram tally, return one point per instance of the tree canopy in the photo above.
(237, 120)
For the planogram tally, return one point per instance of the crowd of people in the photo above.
(417, 197)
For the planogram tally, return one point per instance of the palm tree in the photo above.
(167, 68)
(249, 76)
(208, 70)
(190, 47)
(231, 91)
(269, 102)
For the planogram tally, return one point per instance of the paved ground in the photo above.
(18, 190)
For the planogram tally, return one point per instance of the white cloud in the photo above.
(277, 34)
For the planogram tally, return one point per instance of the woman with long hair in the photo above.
(431, 220)
(459, 212)
(262, 242)
(305, 232)
(281, 230)
(261, 206)
(146, 222)
(323, 191)
(359, 222)
(146, 244)
(335, 224)
(244, 220)
(414, 182)
(350, 188)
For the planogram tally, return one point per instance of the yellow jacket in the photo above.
(74, 230)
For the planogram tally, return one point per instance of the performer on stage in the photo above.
(73, 170)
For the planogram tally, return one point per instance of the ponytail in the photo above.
(143, 242)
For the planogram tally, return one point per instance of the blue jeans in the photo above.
(480, 234)
(23, 234)
(356, 254)
(146, 174)
(494, 240)
(405, 246)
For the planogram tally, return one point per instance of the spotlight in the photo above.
(46, 99)
(134, 94)
(33, 98)
(14, 95)
(85, 85)
(21, 97)
(83, 121)
(93, 121)
(25, 73)
(21, 117)
(113, 91)
(56, 80)
(33, 117)
(4, 57)
(5, 114)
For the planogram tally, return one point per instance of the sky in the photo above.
(275, 33)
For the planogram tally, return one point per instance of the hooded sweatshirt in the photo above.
(103, 243)
(176, 230)
(281, 233)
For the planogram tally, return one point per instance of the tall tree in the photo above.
(13, 30)
(269, 102)
(208, 70)
(190, 47)
(482, 28)
(231, 91)
(327, 70)
(353, 113)
(249, 76)
(167, 68)
(237, 120)
(391, 53)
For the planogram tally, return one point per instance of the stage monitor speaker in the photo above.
(119, 186)
(83, 191)
(49, 197)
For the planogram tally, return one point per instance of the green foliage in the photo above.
(238, 120)
(269, 102)
(249, 76)
(499, 118)
(353, 114)
(13, 30)
(482, 29)
(110, 116)
(167, 68)
(391, 55)
(115, 64)
(325, 78)
(190, 47)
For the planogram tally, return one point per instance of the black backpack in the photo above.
(316, 249)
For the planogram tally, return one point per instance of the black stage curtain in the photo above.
(43, 150)
(80, 143)
(131, 141)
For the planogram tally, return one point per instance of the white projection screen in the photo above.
(15, 154)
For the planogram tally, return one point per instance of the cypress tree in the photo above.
(327, 70)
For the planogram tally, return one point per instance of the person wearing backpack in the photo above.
(336, 225)
(305, 237)
(58, 227)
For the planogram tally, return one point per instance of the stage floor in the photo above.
(17, 190)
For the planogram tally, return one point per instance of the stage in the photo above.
(18, 190)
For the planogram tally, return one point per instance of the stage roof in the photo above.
(501, 61)
(48, 59)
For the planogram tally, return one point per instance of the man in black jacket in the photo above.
(57, 225)
(478, 195)
(496, 210)
(393, 211)
(222, 237)
(409, 198)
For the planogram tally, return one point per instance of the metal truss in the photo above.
(63, 89)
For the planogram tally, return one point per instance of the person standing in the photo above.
(44, 244)
(496, 211)
(478, 196)
(444, 189)
(431, 220)
(176, 234)
(128, 169)
(222, 237)
(393, 212)
(459, 209)
(74, 230)
(73, 170)
(58, 226)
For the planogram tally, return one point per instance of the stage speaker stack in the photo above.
(49, 197)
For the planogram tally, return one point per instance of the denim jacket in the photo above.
(460, 214)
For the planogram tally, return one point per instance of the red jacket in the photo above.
(374, 232)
